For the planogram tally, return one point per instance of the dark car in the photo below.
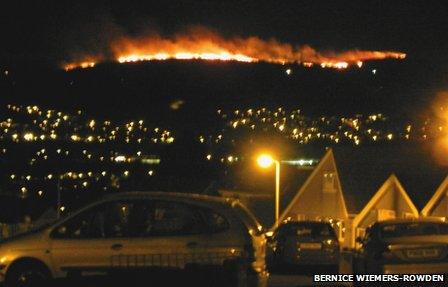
(403, 246)
(304, 243)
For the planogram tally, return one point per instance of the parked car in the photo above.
(304, 243)
(142, 230)
(403, 246)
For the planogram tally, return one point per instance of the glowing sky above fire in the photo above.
(200, 43)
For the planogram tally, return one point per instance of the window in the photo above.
(78, 227)
(117, 219)
(408, 215)
(315, 230)
(328, 185)
(108, 220)
(141, 218)
(413, 229)
(164, 218)
(384, 214)
(215, 222)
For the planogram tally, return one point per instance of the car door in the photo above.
(88, 241)
(166, 234)
(224, 238)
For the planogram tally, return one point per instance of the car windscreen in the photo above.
(413, 229)
(309, 230)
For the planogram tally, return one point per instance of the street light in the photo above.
(266, 161)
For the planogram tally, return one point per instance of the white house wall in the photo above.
(312, 202)
(441, 207)
(390, 201)
(437, 206)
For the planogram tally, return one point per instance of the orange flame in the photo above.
(79, 65)
(202, 44)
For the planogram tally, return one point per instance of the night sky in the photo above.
(53, 31)
(50, 29)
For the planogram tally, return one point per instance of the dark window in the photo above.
(109, 220)
(215, 222)
(77, 227)
(164, 218)
(309, 230)
(443, 228)
(117, 219)
(141, 218)
(413, 229)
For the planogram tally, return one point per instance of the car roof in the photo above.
(410, 220)
(170, 195)
(306, 222)
(203, 200)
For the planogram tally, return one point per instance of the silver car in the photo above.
(141, 230)
(404, 246)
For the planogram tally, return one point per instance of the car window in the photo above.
(309, 230)
(164, 218)
(413, 229)
(108, 220)
(117, 219)
(215, 221)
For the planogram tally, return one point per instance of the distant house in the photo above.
(354, 187)
(437, 206)
(389, 202)
(320, 197)
(383, 182)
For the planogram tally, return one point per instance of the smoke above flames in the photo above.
(200, 43)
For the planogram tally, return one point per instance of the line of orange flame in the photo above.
(203, 44)
(79, 65)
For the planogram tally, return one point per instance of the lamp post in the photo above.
(58, 203)
(266, 161)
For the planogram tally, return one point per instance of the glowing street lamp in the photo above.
(266, 161)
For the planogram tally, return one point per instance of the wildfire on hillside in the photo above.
(202, 44)
(79, 65)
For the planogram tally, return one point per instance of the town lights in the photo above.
(266, 161)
